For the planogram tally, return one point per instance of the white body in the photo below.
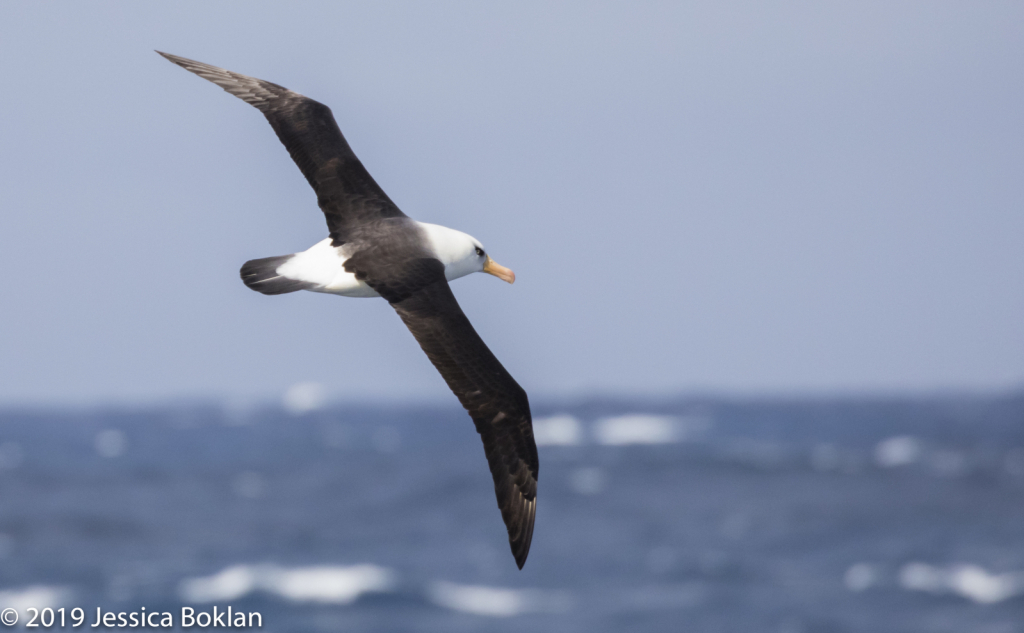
(322, 265)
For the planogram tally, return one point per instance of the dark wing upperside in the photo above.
(345, 191)
(498, 405)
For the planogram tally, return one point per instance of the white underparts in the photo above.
(322, 266)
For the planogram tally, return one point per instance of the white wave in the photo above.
(968, 581)
(495, 602)
(558, 430)
(897, 451)
(331, 584)
(639, 428)
(975, 583)
(230, 584)
(35, 596)
(304, 397)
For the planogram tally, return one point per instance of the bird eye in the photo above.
(479, 252)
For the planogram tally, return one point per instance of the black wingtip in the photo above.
(521, 545)
(521, 557)
(179, 61)
(521, 553)
(174, 59)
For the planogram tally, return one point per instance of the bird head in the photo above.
(492, 267)
(463, 254)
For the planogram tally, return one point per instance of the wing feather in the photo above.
(345, 191)
(497, 404)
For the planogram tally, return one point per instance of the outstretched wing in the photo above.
(498, 405)
(345, 191)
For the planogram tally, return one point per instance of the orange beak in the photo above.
(492, 267)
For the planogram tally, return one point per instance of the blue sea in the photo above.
(693, 514)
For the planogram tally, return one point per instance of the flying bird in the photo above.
(375, 250)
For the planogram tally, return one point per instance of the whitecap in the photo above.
(558, 430)
(495, 602)
(230, 584)
(478, 600)
(330, 584)
(304, 397)
(34, 596)
(977, 584)
(968, 581)
(638, 429)
(897, 451)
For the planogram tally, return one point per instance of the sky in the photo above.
(738, 198)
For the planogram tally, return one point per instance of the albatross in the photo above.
(375, 250)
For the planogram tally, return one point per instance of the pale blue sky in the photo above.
(736, 197)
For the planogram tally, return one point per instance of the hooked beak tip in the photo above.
(492, 267)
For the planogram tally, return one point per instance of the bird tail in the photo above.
(262, 276)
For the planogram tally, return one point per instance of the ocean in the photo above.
(871, 515)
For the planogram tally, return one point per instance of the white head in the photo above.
(462, 254)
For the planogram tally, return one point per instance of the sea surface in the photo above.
(695, 514)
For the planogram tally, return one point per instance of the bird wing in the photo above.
(498, 405)
(345, 191)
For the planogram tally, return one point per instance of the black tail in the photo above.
(261, 275)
